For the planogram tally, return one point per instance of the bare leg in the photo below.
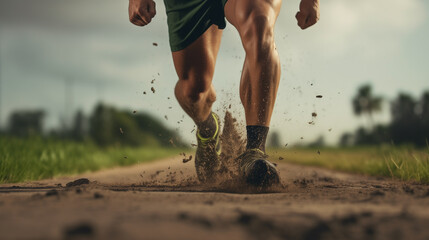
(254, 20)
(195, 68)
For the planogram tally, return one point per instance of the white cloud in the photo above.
(375, 26)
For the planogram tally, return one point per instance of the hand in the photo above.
(308, 13)
(141, 12)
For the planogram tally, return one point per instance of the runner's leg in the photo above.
(195, 67)
(255, 20)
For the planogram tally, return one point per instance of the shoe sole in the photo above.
(263, 174)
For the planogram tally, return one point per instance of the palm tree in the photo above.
(365, 103)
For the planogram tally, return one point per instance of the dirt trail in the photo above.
(163, 200)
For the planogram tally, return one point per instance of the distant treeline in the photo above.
(105, 126)
(409, 120)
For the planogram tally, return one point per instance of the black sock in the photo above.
(207, 128)
(256, 137)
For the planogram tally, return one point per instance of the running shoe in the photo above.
(207, 162)
(256, 170)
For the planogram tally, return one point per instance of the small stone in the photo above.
(98, 195)
(52, 192)
(78, 182)
(79, 231)
(185, 160)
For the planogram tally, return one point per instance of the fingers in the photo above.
(152, 9)
(310, 22)
(301, 17)
(308, 13)
(137, 20)
(142, 14)
(305, 20)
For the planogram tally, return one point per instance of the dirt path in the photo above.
(162, 200)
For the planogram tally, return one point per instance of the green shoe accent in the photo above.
(204, 141)
(207, 162)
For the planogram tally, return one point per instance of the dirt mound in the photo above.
(232, 146)
(78, 182)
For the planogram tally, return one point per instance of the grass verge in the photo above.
(35, 159)
(403, 162)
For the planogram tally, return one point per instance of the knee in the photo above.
(193, 88)
(257, 33)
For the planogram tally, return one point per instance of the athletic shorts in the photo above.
(189, 19)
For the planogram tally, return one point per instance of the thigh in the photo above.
(198, 59)
(242, 12)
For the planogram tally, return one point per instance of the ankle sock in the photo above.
(256, 137)
(207, 128)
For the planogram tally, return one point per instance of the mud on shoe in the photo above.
(256, 170)
(207, 163)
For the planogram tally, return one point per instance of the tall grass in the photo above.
(400, 162)
(36, 158)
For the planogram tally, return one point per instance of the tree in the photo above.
(101, 125)
(110, 126)
(424, 116)
(319, 142)
(26, 123)
(274, 140)
(405, 122)
(365, 103)
(346, 140)
(80, 127)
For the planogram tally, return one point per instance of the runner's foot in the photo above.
(207, 162)
(256, 170)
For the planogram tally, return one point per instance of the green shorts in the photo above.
(189, 19)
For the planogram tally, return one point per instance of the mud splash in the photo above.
(228, 178)
(233, 145)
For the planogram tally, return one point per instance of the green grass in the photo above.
(403, 162)
(35, 159)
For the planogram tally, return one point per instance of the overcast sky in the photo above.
(89, 45)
